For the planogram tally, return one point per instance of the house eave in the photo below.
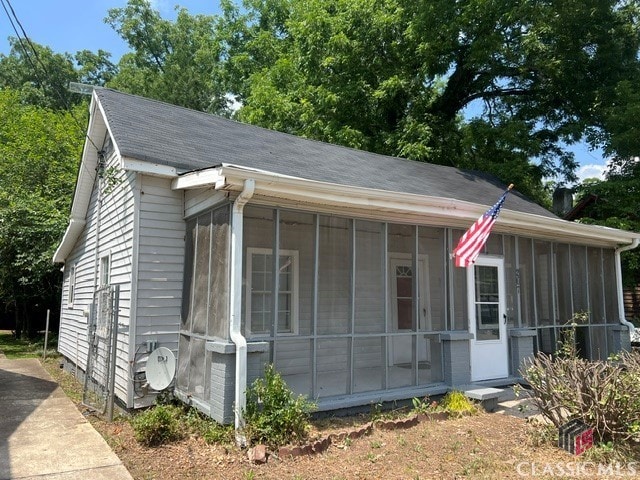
(149, 168)
(435, 210)
(74, 229)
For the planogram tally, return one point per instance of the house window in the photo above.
(72, 285)
(259, 301)
(105, 270)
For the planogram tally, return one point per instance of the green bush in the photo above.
(157, 425)
(274, 416)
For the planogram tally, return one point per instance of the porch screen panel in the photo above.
(188, 284)
(544, 282)
(368, 370)
(596, 287)
(599, 343)
(580, 278)
(219, 275)
(547, 340)
(403, 373)
(182, 370)
(334, 276)
(401, 246)
(333, 366)
(460, 316)
(431, 246)
(512, 281)
(197, 368)
(257, 233)
(525, 276)
(294, 363)
(563, 275)
(493, 246)
(370, 281)
(610, 286)
(201, 274)
(297, 234)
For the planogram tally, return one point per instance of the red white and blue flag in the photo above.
(474, 239)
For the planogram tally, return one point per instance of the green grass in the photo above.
(25, 348)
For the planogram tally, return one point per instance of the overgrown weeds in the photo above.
(158, 425)
(603, 394)
(274, 416)
(170, 421)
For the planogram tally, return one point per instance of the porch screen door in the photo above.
(487, 320)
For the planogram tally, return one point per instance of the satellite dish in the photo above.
(161, 367)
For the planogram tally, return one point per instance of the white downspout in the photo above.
(235, 306)
(618, 263)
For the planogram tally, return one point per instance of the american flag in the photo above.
(474, 239)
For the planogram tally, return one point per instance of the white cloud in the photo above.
(592, 170)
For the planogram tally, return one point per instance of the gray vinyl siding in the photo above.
(160, 255)
(116, 240)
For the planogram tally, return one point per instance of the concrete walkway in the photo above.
(42, 433)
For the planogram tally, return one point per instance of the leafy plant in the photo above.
(158, 425)
(274, 416)
(424, 405)
(456, 403)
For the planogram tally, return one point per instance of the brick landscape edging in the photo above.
(321, 445)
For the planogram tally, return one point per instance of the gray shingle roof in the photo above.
(188, 140)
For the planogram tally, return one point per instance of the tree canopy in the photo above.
(497, 86)
(177, 62)
(42, 76)
(39, 149)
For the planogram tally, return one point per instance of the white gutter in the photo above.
(618, 263)
(438, 210)
(235, 306)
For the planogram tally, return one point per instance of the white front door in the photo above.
(401, 290)
(487, 319)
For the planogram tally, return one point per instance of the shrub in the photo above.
(456, 403)
(157, 425)
(603, 394)
(273, 415)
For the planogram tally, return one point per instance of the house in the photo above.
(234, 246)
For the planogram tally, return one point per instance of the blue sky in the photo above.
(72, 25)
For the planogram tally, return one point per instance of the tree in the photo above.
(177, 62)
(42, 77)
(500, 86)
(39, 153)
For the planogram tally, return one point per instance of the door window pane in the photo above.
(487, 303)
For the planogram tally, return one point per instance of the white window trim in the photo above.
(294, 292)
(71, 292)
(106, 257)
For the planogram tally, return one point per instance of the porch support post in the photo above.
(235, 306)
(522, 347)
(456, 357)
